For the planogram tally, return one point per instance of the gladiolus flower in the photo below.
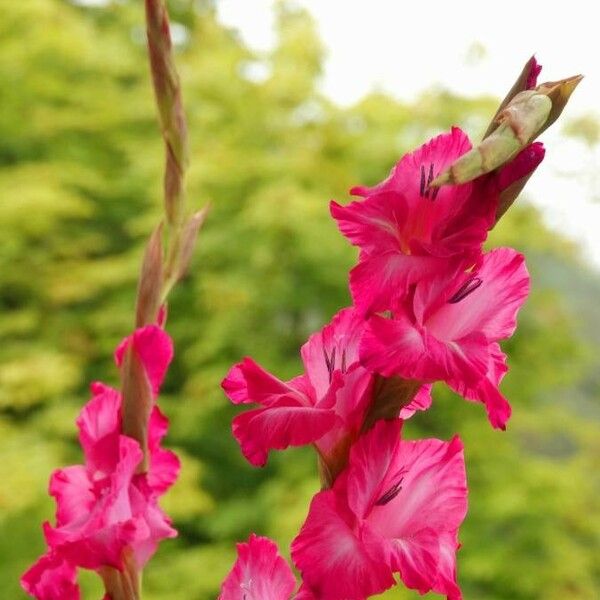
(397, 508)
(325, 406)
(449, 328)
(105, 508)
(407, 230)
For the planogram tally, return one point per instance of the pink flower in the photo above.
(326, 406)
(105, 507)
(99, 516)
(406, 230)
(259, 573)
(397, 508)
(449, 327)
(51, 578)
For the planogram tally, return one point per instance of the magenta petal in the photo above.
(417, 559)
(248, 382)
(377, 282)
(332, 556)
(491, 308)
(534, 70)
(374, 224)
(371, 459)
(99, 537)
(73, 490)
(155, 350)
(422, 401)
(259, 573)
(446, 582)
(99, 428)
(51, 578)
(434, 478)
(486, 390)
(397, 347)
(334, 348)
(156, 525)
(522, 165)
(279, 426)
(405, 177)
(164, 464)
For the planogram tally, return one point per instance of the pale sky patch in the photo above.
(471, 48)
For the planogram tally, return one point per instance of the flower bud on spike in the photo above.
(526, 81)
(190, 233)
(137, 402)
(151, 279)
(526, 115)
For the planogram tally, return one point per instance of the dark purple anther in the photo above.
(390, 494)
(467, 288)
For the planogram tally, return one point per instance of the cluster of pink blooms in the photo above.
(107, 512)
(428, 305)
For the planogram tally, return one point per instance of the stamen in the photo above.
(344, 360)
(426, 191)
(430, 175)
(467, 288)
(390, 494)
(329, 362)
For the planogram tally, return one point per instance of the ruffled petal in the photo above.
(375, 224)
(407, 174)
(259, 573)
(284, 423)
(73, 490)
(397, 347)
(164, 464)
(432, 493)
(110, 526)
(485, 301)
(51, 578)
(486, 390)
(378, 282)
(446, 582)
(336, 559)
(99, 426)
(247, 382)
(371, 459)
(421, 401)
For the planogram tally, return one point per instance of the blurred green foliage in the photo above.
(80, 180)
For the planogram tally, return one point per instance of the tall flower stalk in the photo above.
(108, 518)
(429, 304)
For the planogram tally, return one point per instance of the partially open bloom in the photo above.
(407, 230)
(325, 406)
(105, 508)
(397, 508)
(259, 573)
(449, 327)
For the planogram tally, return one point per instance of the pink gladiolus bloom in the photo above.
(406, 230)
(98, 517)
(259, 573)
(449, 327)
(51, 578)
(104, 507)
(326, 406)
(397, 508)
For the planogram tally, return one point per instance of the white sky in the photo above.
(406, 47)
